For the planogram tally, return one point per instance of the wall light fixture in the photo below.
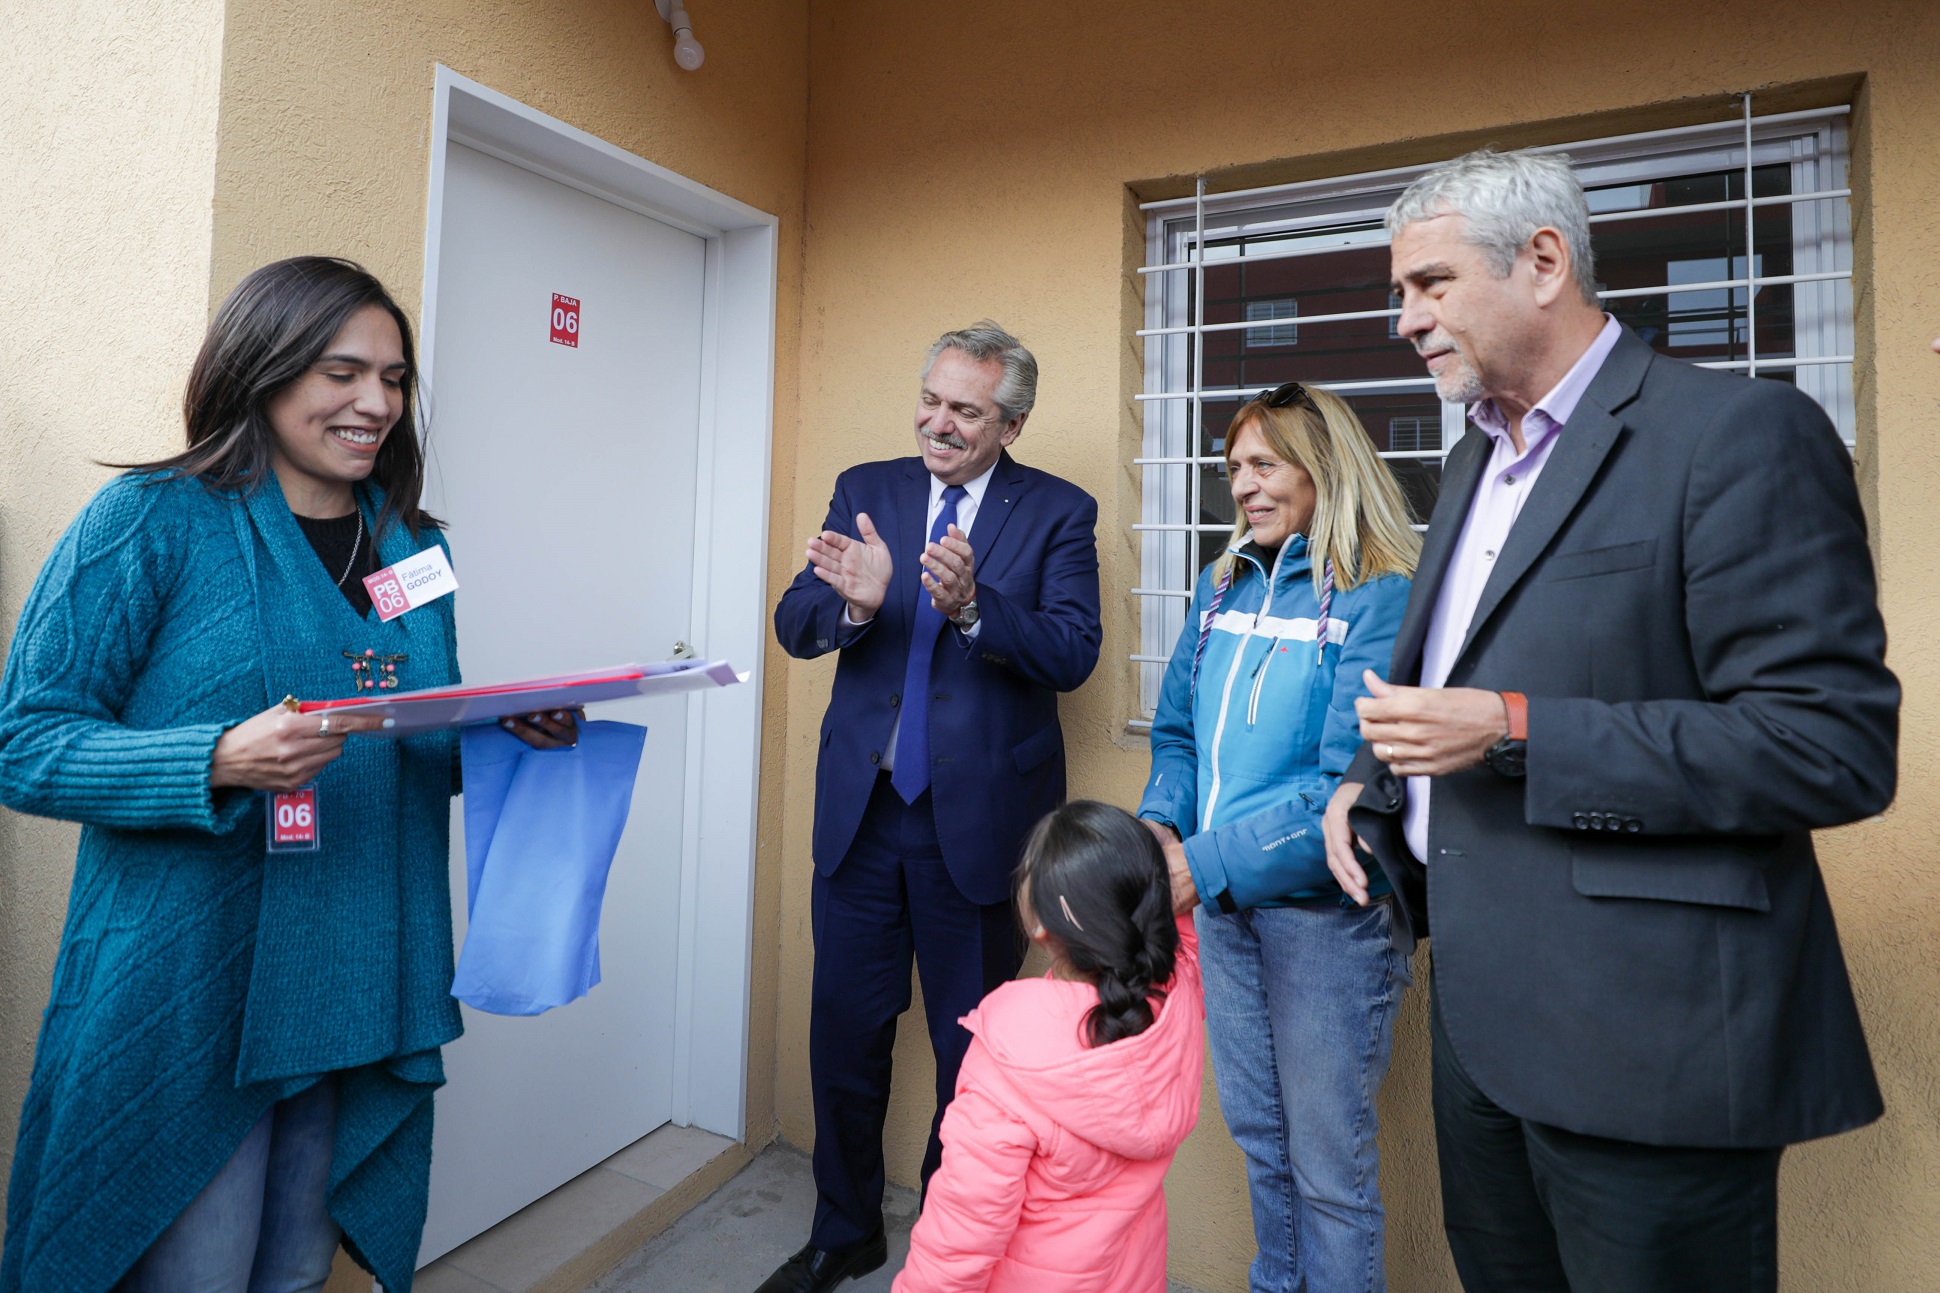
(687, 51)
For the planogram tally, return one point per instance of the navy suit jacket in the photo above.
(997, 749)
(1634, 941)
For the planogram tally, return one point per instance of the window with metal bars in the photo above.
(1286, 334)
(1673, 213)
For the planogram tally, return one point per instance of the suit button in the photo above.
(874, 757)
(1596, 821)
(1394, 802)
(1633, 824)
(895, 702)
(1579, 821)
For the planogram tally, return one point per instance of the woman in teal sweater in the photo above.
(236, 1064)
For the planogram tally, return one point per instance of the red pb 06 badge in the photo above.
(387, 594)
(293, 820)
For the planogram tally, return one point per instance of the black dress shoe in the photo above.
(816, 1270)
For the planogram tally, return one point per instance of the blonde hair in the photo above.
(1360, 521)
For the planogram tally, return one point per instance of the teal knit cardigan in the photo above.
(200, 978)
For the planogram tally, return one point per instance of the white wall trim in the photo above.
(731, 551)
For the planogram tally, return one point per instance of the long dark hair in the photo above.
(1098, 884)
(275, 324)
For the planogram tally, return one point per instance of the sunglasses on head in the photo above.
(1286, 395)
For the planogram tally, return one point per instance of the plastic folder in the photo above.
(437, 707)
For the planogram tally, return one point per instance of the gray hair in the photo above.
(1506, 198)
(984, 341)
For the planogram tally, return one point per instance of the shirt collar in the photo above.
(1557, 406)
(1291, 557)
(975, 488)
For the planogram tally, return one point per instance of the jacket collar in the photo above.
(1581, 446)
(1292, 560)
(1007, 484)
(1583, 443)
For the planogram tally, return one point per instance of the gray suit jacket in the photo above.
(1635, 941)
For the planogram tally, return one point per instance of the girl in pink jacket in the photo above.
(1078, 1087)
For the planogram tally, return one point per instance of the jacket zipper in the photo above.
(1226, 694)
(1259, 670)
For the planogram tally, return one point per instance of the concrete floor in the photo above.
(749, 1226)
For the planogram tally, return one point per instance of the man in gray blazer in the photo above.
(1642, 662)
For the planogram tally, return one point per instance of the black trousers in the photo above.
(1530, 1208)
(891, 899)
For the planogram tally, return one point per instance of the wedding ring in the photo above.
(1385, 758)
(323, 728)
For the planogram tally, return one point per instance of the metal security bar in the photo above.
(1268, 226)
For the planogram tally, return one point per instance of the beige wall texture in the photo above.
(952, 163)
(153, 159)
(107, 169)
(981, 160)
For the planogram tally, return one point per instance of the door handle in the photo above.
(682, 651)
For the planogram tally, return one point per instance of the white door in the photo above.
(567, 476)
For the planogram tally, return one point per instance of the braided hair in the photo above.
(1096, 880)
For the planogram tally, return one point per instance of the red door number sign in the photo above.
(293, 820)
(565, 321)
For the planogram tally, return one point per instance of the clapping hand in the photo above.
(950, 573)
(857, 569)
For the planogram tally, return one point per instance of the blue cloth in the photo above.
(200, 980)
(541, 828)
(912, 775)
(1300, 1006)
(1280, 710)
(997, 724)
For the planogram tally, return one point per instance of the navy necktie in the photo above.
(912, 775)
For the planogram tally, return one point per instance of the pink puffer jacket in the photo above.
(1054, 1153)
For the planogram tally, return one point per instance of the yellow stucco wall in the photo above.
(950, 163)
(137, 206)
(975, 160)
(107, 168)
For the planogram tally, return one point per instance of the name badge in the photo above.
(292, 826)
(411, 583)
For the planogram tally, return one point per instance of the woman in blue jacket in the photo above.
(1254, 728)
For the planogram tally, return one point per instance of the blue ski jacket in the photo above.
(1245, 757)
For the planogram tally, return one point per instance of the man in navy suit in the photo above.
(961, 591)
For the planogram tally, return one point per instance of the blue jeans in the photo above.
(260, 1225)
(1300, 1006)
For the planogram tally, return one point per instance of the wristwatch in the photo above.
(967, 616)
(1510, 755)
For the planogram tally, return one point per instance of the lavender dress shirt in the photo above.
(1506, 483)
